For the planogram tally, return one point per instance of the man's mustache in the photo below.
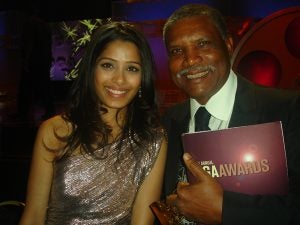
(195, 69)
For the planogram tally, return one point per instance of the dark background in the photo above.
(57, 10)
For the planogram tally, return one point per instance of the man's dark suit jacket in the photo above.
(253, 105)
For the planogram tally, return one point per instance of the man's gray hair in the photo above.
(190, 10)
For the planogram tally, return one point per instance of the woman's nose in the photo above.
(119, 76)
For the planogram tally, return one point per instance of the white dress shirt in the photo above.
(219, 106)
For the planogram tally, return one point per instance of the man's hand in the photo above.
(201, 201)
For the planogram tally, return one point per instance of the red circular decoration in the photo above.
(292, 37)
(260, 67)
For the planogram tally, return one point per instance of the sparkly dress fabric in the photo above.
(89, 191)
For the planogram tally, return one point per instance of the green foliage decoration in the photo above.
(79, 35)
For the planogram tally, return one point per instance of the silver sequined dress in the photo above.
(89, 191)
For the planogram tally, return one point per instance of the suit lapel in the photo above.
(179, 125)
(245, 109)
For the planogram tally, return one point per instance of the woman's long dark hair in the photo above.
(83, 111)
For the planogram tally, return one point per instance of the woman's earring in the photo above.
(140, 92)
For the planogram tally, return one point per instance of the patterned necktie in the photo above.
(202, 117)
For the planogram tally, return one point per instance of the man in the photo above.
(199, 50)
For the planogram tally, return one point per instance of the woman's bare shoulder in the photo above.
(55, 130)
(57, 123)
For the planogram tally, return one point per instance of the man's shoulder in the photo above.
(266, 92)
(176, 113)
(179, 109)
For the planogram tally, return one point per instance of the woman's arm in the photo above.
(40, 176)
(150, 190)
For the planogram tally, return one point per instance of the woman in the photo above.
(102, 161)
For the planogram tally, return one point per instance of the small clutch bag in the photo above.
(165, 214)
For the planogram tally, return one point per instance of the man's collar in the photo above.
(220, 105)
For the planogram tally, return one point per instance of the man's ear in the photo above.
(229, 45)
